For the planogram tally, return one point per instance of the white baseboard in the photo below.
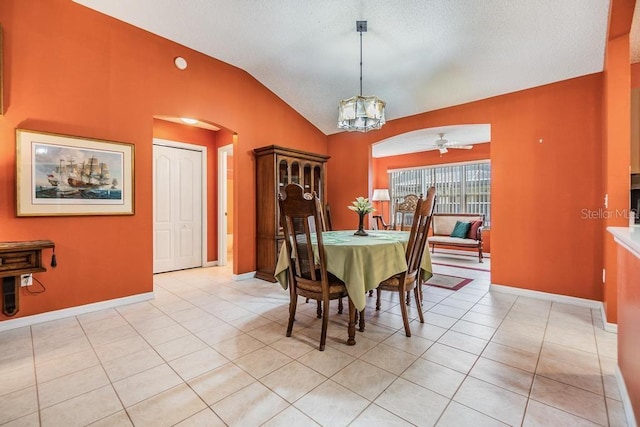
(73, 311)
(626, 400)
(210, 264)
(609, 327)
(243, 276)
(582, 302)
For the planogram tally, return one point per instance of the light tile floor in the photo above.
(208, 351)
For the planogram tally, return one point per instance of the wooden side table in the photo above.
(16, 259)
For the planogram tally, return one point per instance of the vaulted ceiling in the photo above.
(418, 55)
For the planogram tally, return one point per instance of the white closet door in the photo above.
(177, 209)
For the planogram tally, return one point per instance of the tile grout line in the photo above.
(535, 371)
(105, 371)
(35, 375)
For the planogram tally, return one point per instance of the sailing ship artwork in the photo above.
(63, 172)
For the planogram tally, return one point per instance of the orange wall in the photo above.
(628, 321)
(428, 158)
(539, 190)
(71, 70)
(348, 174)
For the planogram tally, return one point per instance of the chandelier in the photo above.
(361, 113)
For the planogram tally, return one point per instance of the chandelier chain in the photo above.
(360, 63)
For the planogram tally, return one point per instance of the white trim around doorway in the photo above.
(222, 202)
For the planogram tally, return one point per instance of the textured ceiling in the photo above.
(418, 55)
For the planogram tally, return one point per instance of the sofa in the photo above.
(444, 225)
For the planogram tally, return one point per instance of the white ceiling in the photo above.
(418, 55)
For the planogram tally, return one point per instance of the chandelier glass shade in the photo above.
(361, 113)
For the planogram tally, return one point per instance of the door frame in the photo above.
(222, 202)
(203, 197)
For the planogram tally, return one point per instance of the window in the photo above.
(460, 188)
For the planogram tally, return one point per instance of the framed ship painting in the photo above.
(69, 175)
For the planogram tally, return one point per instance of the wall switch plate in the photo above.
(26, 280)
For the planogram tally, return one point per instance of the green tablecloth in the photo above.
(362, 262)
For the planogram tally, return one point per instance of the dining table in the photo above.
(361, 262)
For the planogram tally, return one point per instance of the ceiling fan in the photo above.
(442, 144)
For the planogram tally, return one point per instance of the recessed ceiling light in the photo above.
(189, 121)
(180, 62)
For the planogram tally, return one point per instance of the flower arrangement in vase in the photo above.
(362, 206)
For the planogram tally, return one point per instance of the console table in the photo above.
(16, 259)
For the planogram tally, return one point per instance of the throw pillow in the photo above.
(461, 229)
(473, 230)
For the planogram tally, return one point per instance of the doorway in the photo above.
(225, 205)
(179, 198)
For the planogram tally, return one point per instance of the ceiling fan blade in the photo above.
(463, 147)
(442, 150)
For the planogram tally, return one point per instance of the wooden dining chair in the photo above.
(327, 225)
(308, 277)
(403, 210)
(380, 224)
(410, 279)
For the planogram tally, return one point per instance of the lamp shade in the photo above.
(380, 195)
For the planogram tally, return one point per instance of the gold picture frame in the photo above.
(69, 175)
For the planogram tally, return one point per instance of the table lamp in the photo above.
(381, 195)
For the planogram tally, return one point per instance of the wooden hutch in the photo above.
(275, 168)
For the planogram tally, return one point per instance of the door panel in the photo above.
(163, 245)
(177, 209)
(162, 229)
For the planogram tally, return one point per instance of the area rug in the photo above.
(448, 282)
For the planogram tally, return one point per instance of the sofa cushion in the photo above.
(452, 240)
(473, 230)
(461, 229)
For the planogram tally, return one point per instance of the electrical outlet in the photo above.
(26, 280)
